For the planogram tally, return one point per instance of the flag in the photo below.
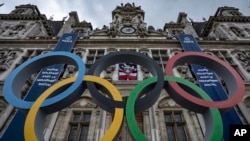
(127, 71)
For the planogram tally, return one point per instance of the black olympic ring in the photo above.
(120, 57)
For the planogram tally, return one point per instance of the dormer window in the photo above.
(237, 32)
(19, 11)
(235, 13)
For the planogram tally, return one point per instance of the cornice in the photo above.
(83, 24)
(173, 25)
(21, 17)
(122, 41)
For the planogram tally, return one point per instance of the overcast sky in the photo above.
(157, 12)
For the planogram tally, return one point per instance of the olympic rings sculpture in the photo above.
(45, 104)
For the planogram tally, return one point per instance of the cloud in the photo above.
(52, 8)
(92, 12)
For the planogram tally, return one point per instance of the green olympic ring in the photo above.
(214, 125)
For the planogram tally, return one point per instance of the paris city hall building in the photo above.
(187, 81)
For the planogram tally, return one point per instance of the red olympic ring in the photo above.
(234, 83)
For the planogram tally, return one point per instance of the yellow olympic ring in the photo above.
(29, 127)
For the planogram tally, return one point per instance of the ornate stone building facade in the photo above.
(25, 33)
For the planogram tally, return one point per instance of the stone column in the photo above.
(101, 129)
(153, 125)
(50, 127)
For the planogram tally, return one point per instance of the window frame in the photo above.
(79, 123)
(175, 123)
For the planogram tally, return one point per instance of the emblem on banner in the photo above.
(188, 40)
(68, 39)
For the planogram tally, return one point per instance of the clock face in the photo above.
(128, 30)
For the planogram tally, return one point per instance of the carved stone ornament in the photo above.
(84, 102)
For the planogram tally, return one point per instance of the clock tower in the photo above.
(127, 20)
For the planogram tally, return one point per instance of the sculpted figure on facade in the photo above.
(101, 31)
(6, 59)
(82, 28)
(244, 58)
(114, 26)
(141, 29)
(2, 60)
(152, 31)
(127, 20)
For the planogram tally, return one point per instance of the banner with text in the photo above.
(47, 77)
(209, 82)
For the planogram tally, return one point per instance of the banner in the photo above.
(127, 71)
(209, 82)
(47, 77)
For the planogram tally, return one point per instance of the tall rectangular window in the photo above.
(79, 126)
(175, 126)
(161, 57)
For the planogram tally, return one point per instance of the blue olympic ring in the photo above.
(13, 84)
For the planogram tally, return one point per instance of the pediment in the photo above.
(167, 102)
(84, 102)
